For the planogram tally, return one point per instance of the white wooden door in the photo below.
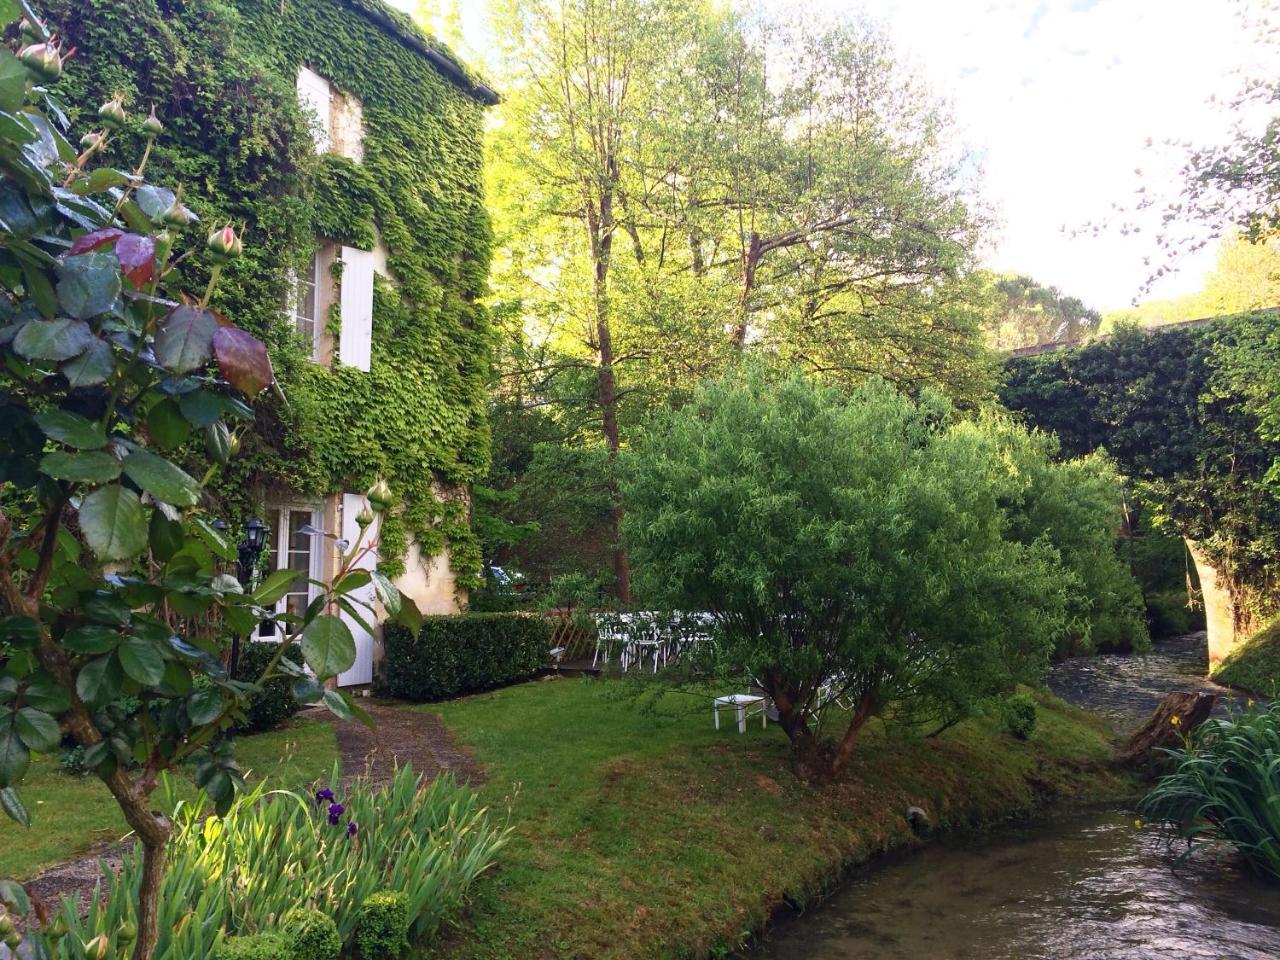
(362, 670)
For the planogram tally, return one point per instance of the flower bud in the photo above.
(99, 948)
(56, 930)
(152, 127)
(127, 933)
(364, 518)
(379, 495)
(233, 445)
(112, 113)
(177, 215)
(224, 244)
(6, 925)
(164, 245)
(43, 60)
(13, 941)
(90, 140)
(33, 30)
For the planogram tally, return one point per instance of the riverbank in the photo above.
(650, 834)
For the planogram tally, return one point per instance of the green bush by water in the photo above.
(1168, 614)
(278, 850)
(460, 654)
(1019, 715)
(1224, 788)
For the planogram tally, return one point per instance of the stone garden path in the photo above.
(401, 735)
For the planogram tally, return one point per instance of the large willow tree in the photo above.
(676, 183)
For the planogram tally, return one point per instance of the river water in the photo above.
(1086, 886)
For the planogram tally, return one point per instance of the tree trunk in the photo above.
(153, 856)
(750, 261)
(1175, 718)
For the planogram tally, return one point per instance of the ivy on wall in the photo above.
(1160, 405)
(222, 76)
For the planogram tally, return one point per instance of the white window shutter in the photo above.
(362, 670)
(313, 95)
(356, 342)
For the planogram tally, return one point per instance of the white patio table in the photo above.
(745, 705)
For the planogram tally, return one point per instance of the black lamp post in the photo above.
(247, 554)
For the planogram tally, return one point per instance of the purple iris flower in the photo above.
(323, 795)
(335, 812)
(352, 828)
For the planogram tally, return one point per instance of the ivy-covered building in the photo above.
(349, 146)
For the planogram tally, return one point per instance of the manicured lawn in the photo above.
(69, 815)
(649, 834)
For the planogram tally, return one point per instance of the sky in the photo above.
(1066, 104)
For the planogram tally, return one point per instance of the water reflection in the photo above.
(1087, 887)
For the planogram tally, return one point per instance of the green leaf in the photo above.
(166, 424)
(327, 646)
(91, 639)
(142, 661)
(307, 690)
(165, 536)
(40, 288)
(92, 367)
(204, 705)
(201, 407)
(184, 340)
(275, 586)
(162, 479)
(353, 581)
(177, 680)
(71, 429)
(38, 730)
(154, 201)
(88, 284)
(13, 75)
(13, 807)
(217, 441)
(114, 523)
(104, 178)
(409, 616)
(14, 755)
(92, 466)
(45, 693)
(59, 339)
(14, 896)
(99, 681)
(338, 705)
(388, 593)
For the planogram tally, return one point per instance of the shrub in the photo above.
(312, 934)
(275, 702)
(1223, 788)
(453, 655)
(274, 849)
(260, 946)
(382, 927)
(1020, 715)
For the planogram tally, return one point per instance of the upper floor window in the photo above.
(306, 305)
(339, 116)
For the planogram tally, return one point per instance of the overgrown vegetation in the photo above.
(223, 76)
(1223, 788)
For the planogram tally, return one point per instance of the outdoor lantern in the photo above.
(255, 532)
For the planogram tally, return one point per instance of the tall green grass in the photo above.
(1224, 788)
(278, 849)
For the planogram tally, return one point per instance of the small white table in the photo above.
(744, 704)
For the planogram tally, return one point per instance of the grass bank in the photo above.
(653, 835)
(70, 815)
(1255, 665)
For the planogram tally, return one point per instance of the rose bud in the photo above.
(152, 127)
(112, 113)
(99, 948)
(364, 518)
(379, 495)
(177, 215)
(233, 445)
(224, 244)
(90, 140)
(42, 59)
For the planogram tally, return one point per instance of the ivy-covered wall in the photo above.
(222, 77)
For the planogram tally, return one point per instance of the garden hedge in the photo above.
(460, 654)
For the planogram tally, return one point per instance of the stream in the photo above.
(1086, 886)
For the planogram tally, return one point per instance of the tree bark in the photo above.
(1176, 716)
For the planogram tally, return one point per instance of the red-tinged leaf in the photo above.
(95, 240)
(243, 360)
(137, 258)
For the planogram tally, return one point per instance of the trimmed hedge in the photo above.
(275, 703)
(459, 654)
